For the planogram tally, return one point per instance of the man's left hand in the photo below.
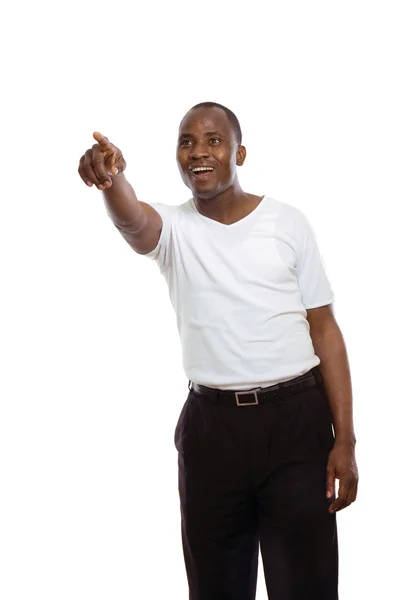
(342, 465)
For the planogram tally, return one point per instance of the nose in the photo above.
(199, 150)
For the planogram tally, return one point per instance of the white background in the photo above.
(92, 382)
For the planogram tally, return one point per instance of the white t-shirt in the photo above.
(240, 292)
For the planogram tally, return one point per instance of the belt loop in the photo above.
(216, 398)
(317, 374)
(281, 391)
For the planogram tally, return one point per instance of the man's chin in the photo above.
(204, 191)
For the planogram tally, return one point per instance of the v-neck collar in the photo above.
(225, 225)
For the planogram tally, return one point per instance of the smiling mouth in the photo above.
(202, 172)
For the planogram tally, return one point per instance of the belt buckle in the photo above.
(247, 393)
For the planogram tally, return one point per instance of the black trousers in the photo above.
(254, 477)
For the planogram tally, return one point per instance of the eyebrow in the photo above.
(208, 133)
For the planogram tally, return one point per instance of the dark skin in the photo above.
(206, 137)
(330, 348)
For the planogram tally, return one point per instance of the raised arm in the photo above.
(103, 166)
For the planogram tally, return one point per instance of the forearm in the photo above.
(123, 207)
(331, 350)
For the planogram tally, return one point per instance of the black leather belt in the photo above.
(262, 395)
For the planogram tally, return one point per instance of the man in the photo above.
(266, 363)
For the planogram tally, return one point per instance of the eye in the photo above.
(215, 141)
(185, 143)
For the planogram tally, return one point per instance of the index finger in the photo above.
(102, 140)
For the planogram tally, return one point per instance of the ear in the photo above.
(240, 155)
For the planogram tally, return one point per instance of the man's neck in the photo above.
(226, 206)
(229, 207)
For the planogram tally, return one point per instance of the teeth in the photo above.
(197, 169)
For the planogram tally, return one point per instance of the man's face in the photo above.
(207, 141)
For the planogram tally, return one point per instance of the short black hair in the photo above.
(231, 116)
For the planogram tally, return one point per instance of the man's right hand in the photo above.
(101, 162)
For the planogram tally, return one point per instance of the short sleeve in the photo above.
(313, 281)
(162, 252)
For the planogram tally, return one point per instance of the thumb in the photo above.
(114, 169)
(110, 164)
(330, 481)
